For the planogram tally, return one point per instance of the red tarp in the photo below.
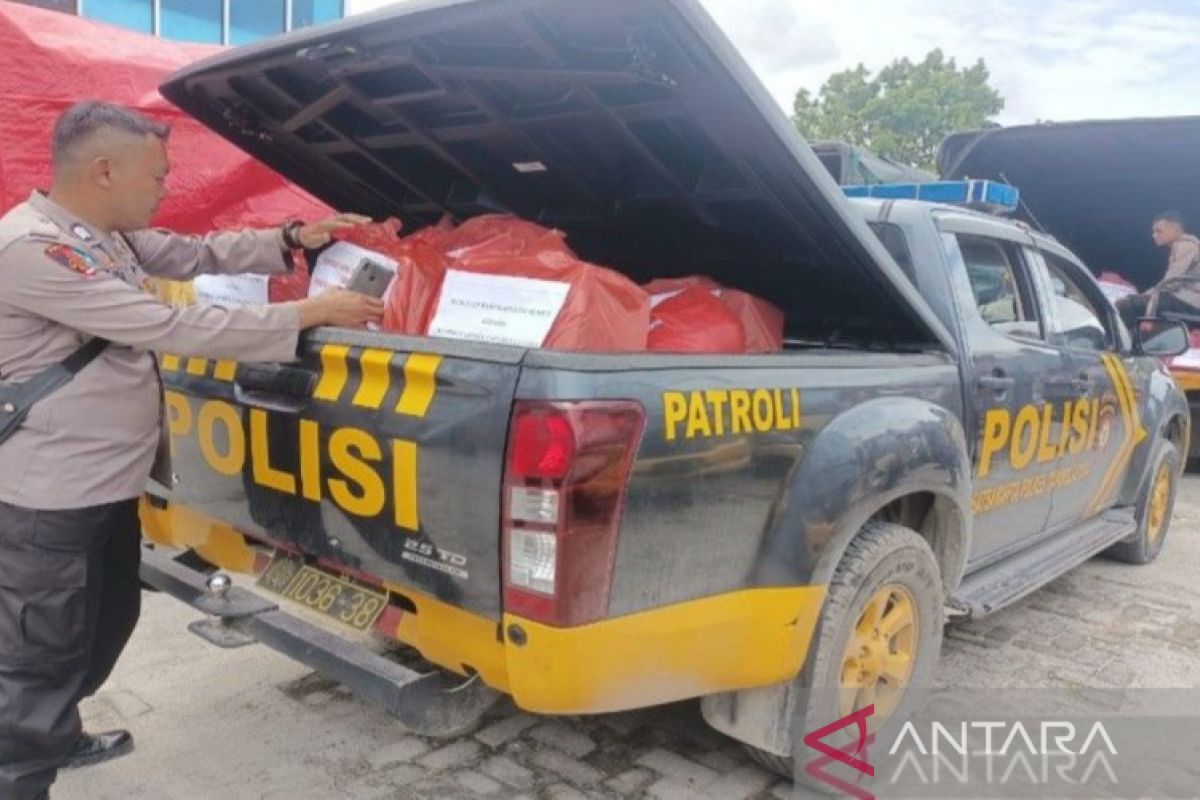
(53, 60)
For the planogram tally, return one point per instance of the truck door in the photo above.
(1017, 375)
(1104, 408)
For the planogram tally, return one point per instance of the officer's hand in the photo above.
(318, 234)
(340, 308)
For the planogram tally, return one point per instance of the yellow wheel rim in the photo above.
(1160, 498)
(881, 652)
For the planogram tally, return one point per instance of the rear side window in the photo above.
(999, 285)
(894, 241)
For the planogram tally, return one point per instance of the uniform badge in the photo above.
(82, 232)
(72, 258)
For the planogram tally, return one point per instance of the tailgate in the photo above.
(631, 125)
(383, 454)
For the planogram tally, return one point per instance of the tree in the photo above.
(902, 113)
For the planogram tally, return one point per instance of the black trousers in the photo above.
(1133, 307)
(69, 600)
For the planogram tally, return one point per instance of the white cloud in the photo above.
(1051, 59)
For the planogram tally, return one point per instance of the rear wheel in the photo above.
(880, 633)
(1155, 505)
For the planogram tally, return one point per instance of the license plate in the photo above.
(338, 598)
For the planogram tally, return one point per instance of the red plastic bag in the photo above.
(290, 287)
(1116, 279)
(503, 235)
(762, 321)
(603, 309)
(694, 320)
(420, 264)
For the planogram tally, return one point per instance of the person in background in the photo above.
(1179, 290)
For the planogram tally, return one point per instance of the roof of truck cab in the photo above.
(632, 125)
(909, 210)
(876, 207)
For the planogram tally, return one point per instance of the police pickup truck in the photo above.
(957, 415)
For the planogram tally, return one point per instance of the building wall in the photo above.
(210, 21)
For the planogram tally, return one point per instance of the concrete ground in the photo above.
(252, 724)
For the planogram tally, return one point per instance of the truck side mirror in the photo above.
(1164, 338)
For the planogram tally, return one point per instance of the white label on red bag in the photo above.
(231, 290)
(501, 309)
(336, 266)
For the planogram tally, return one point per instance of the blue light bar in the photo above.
(983, 195)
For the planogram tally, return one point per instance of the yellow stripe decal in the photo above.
(1131, 436)
(197, 366)
(376, 369)
(169, 362)
(420, 384)
(333, 372)
(1116, 466)
(225, 371)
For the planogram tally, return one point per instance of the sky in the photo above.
(1052, 60)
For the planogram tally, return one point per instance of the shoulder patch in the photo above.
(72, 258)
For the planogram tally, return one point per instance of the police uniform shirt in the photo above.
(94, 440)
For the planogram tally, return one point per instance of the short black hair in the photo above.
(1173, 217)
(82, 120)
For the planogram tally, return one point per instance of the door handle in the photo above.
(1073, 389)
(275, 387)
(998, 383)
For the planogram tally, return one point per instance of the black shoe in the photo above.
(96, 748)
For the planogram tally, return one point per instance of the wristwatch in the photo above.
(291, 231)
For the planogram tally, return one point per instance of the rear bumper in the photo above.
(738, 640)
(421, 701)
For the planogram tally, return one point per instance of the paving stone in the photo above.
(561, 791)
(563, 737)
(125, 703)
(478, 783)
(510, 772)
(631, 782)
(499, 733)
(406, 749)
(565, 766)
(451, 755)
(740, 784)
(626, 722)
(383, 785)
(676, 766)
(721, 761)
(672, 789)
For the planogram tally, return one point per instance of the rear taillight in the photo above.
(564, 489)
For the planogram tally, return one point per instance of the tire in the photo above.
(883, 560)
(1155, 504)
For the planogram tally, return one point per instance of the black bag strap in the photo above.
(24, 395)
(17, 399)
(85, 355)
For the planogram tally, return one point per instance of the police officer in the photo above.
(1179, 290)
(74, 264)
